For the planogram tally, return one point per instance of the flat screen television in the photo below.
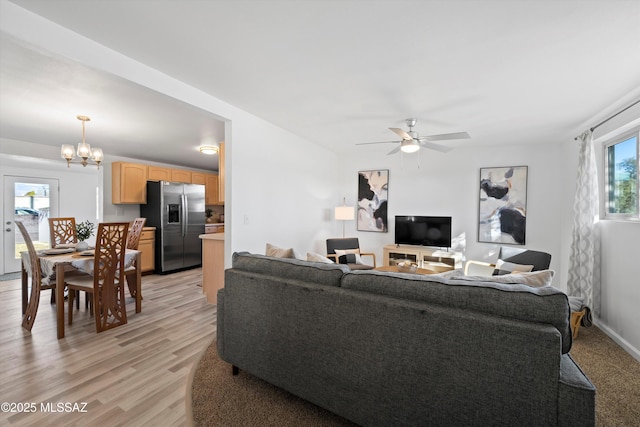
(423, 231)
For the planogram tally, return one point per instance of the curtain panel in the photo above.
(584, 261)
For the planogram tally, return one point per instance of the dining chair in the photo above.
(133, 240)
(36, 281)
(105, 285)
(62, 231)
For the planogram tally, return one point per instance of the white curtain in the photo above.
(584, 261)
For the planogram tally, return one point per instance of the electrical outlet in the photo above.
(246, 219)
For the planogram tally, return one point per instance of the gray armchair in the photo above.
(351, 245)
(539, 260)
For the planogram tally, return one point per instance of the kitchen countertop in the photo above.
(212, 236)
(213, 223)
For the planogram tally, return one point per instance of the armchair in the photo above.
(339, 250)
(525, 257)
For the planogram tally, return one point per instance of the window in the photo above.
(621, 177)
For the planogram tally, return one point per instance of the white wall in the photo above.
(433, 183)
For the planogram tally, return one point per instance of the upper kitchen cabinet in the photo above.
(158, 173)
(198, 178)
(179, 175)
(128, 183)
(211, 187)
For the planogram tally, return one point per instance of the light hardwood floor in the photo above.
(133, 375)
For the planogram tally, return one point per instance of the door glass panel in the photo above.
(32, 208)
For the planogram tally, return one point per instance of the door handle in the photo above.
(8, 229)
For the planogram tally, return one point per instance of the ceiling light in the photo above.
(208, 149)
(84, 150)
(409, 146)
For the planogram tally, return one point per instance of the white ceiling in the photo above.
(335, 72)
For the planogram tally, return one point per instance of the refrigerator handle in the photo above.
(185, 215)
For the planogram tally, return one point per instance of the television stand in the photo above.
(424, 256)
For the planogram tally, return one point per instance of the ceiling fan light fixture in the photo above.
(409, 146)
(208, 149)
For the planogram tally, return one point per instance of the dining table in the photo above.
(55, 263)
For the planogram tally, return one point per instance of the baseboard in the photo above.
(634, 352)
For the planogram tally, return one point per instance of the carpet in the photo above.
(616, 375)
(220, 399)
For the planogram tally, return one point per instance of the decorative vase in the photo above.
(82, 246)
(209, 220)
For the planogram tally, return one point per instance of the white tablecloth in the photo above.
(82, 263)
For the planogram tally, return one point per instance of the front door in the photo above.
(32, 201)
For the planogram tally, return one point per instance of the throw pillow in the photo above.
(313, 257)
(276, 252)
(503, 267)
(347, 259)
(353, 260)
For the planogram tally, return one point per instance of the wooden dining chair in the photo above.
(36, 281)
(62, 231)
(105, 285)
(133, 241)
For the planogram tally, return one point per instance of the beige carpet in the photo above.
(616, 375)
(220, 399)
(223, 400)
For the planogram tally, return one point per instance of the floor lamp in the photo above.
(344, 213)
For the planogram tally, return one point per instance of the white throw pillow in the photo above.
(313, 257)
(503, 267)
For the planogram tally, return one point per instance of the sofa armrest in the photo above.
(576, 395)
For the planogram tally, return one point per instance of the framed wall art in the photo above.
(502, 212)
(373, 193)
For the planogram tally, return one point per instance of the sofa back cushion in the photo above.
(541, 305)
(290, 268)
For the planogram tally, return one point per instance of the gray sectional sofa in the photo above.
(385, 349)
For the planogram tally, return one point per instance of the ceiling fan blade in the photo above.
(380, 142)
(445, 136)
(440, 148)
(395, 150)
(402, 134)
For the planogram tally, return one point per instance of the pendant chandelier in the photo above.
(84, 151)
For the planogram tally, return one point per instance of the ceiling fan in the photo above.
(412, 141)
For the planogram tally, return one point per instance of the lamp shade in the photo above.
(345, 213)
(409, 146)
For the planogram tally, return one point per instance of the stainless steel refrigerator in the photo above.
(177, 212)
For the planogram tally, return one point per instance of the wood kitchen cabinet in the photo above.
(128, 183)
(147, 247)
(158, 173)
(212, 265)
(198, 178)
(211, 189)
(179, 175)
